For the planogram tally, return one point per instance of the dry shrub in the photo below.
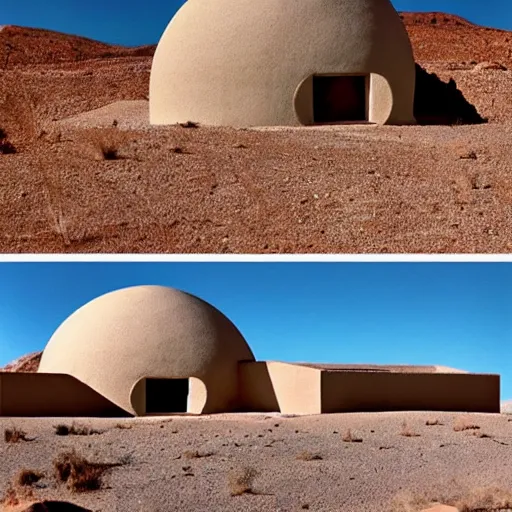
(78, 473)
(241, 481)
(189, 124)
(462, 424)
(28, 477)
(123, 426)
(74, 430)
(407, 431)
(105, 143)
(348, 437)
(488, 499)
(14, 435)
(10, 498)
(308, 456)
(433, 423)
(485, 499)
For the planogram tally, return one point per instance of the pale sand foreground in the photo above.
(367, 476)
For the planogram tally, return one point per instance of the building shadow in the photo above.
(442, 103)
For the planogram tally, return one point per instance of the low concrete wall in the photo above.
(46, 394)
(279, 387)
(381, 391)
(256, 388)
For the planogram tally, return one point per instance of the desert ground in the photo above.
(387, 462)
(88, 173)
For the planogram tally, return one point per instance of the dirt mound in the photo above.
(439, 37)
(21, 46)
(25, 364)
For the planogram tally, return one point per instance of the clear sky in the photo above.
(131, 23)
(456, 315)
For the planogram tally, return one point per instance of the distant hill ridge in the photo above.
(32, 46)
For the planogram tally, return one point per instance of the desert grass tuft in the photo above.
(74, 430)
(462, 424)
(489, 499)
(241, 481)
(79, 474)
(308, 456)
(14, 435)
(123, 426)
(348, 437)
(28, 477)
(189, 124)
(407, 431)
(105, 143)
(10, 497)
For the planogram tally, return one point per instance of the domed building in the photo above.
(288, 62)
(152, 350)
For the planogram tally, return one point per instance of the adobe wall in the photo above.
(381, 391)
(43, 394)
(279, 387)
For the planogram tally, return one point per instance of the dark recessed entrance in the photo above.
(338, 99)
(165, 396)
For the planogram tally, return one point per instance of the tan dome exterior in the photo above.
(247, 63)
(113, 343)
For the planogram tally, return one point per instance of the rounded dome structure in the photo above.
(287, 62)
(134, 344)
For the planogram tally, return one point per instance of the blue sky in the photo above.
(130, 23)
(455, 315)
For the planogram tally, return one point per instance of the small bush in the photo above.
(74, 430)
(407, 431)
(189, 124)
(27, 477)
(105, 143)
(241, 481)
(462, 424)
(308, 456)
(10, 498)
(14, 435)
(78, 473)
(348, 437)
(123, 426)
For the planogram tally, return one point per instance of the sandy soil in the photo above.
(386, 471)
(350, 189)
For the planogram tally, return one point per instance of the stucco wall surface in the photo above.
(241, 62)
(118, 339)
(39, 394)
(378, 391)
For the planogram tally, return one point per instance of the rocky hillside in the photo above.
(28, 363)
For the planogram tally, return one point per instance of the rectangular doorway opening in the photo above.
(340, 99)
(165, 396)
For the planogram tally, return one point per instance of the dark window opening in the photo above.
(165, 396)
(338, 99)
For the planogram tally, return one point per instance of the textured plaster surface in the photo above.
(149, 331)
(245, 69)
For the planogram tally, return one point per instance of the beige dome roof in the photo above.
(247, 62)
(117, 340)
